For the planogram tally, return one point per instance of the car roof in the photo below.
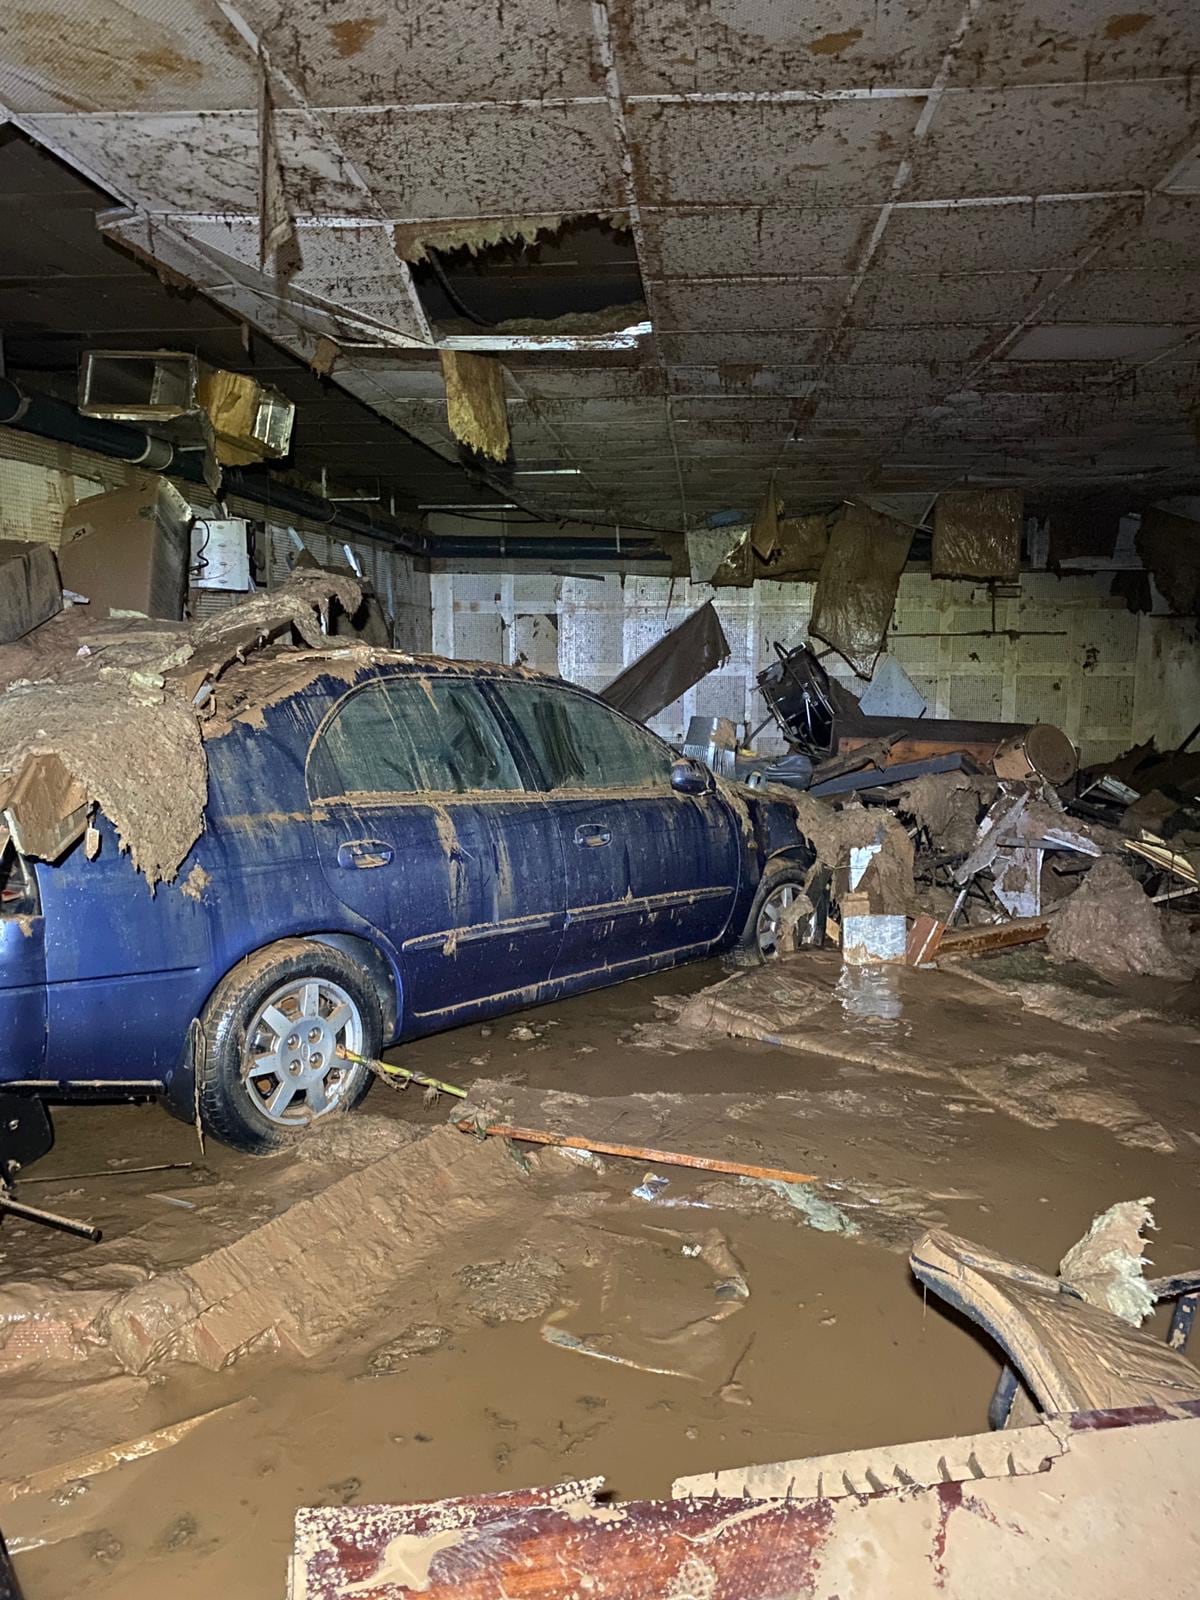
(278, 672)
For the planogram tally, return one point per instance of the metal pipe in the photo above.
(48, 418)
(551, 547)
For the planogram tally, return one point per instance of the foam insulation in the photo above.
(856, 590)
(764, 531)
(475, 406)
(1105, 1266)
(414, 240)
(977, 534)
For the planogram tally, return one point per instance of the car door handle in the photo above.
(364, 853)
(591, 835)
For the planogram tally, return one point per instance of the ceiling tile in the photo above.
(342, 52)
(1027, 41)
(676, 46)
(975, 299)
(484, 161)
(770, 349)
(914, 345)
(1090, 137)
(1122, 297)
(1031, 237)
(748, 307)
(832, 153)
(793, 241)
(122, 55)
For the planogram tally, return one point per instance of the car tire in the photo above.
(267, 1069)
(780, 884)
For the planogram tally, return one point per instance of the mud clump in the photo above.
(418, 1340)
(356, 1141)
(947, 806)
(509, 1291)
(1111, 924)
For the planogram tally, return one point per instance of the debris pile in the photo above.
(934, 836)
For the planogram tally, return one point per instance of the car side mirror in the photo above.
(690, 777)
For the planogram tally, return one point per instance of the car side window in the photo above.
(581, 744)
(409, 735)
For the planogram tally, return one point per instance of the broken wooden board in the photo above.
(1110, 1488)
(30, 592)
(995, 936)
(45, 807)
(1071, 1356)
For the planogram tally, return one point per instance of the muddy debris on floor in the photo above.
(403, 1310)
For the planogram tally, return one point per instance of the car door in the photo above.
(649, 871)
(427, 832)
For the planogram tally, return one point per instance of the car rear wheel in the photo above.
(273, 1029)
(788, 914)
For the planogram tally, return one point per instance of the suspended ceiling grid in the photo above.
(882, 244)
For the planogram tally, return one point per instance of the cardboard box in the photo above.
(30, 592)
(128, 550)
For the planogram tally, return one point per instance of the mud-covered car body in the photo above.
(475, 838)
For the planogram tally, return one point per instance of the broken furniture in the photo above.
(30, 591)
(1070, 1354)
(26, 1135)
(1011, 844)
(821, 718)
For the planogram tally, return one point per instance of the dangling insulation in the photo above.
(475, 402)
(977, 534)
(857, 587)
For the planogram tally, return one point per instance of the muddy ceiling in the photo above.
(855, 243)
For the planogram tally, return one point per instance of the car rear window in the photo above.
(581, 744)
(408, 735)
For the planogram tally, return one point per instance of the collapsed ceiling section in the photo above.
(858, 244)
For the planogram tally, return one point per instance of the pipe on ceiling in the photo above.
(550, 547)
(52, 419)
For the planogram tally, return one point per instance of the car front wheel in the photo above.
(273, 1031)
(788, 913)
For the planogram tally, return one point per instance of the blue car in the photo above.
(391, 847)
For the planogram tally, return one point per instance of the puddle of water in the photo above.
(871, 994)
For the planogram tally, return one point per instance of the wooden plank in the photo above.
(997, 936)
(636, 1152)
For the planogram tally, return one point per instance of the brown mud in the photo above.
(779, 1329)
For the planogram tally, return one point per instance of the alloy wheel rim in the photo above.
(771, 919)
(291, 1067)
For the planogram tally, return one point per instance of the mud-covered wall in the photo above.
(1064, 651)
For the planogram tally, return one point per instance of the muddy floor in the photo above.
(1010, 1101)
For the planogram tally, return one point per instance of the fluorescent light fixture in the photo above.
(473, 505)
(620, 339)
(547, 472)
